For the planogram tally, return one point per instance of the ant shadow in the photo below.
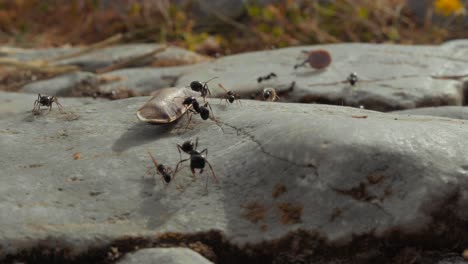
(152, 199)
(310, 72)
(140, 134)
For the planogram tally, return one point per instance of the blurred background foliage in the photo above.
(46, 23)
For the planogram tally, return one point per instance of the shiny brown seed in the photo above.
(317, 59)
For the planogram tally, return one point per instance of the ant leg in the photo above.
(217, 123)
(301, 64)
(58, 104)
(36, 106)
(196, 143)
(212, 171)
(206, 151)
(190, 119)
(188, 112)
(211, 79)
(206, 183)
(177, 167)
(179, 147)
(193, 173)
(212, 113)
(50, 108)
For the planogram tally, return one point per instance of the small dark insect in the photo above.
(194, 107)
(352, 78)
(162, 170)
(230, 95)
(201, 87)
(45, 100)
(267, 77)
(269, 94)
(197, 159)
(317, 59)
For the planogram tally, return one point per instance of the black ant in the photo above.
(267, 77)
(352, 78)
(201, 87)
(269, 94)
(198, 109)
(45, 100)
(197, 159)
(230, 95)
(162, 170)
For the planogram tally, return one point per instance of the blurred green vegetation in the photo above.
(44, 23)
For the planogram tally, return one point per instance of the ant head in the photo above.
(160, 167)
(196, 86)
(187, 146)
(231, 98)
(266, 94)
(204, 112)
(189, 100)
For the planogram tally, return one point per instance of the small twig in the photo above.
(130, 61)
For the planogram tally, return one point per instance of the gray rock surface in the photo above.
(164, 255)
(392, 77)
(101, 58)
(71, 84)
(35, 54)
(110, 55)
(456, 112)
(295, 180)
(19, 103)
(143, 81)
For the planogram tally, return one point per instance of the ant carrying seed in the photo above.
(269, 94)
(230, 96)
(162, 170)
(352, 78)
(317, 59)
(267, 77)
(194, 107)
(201, 87)
(197, 159)
(45, 100)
